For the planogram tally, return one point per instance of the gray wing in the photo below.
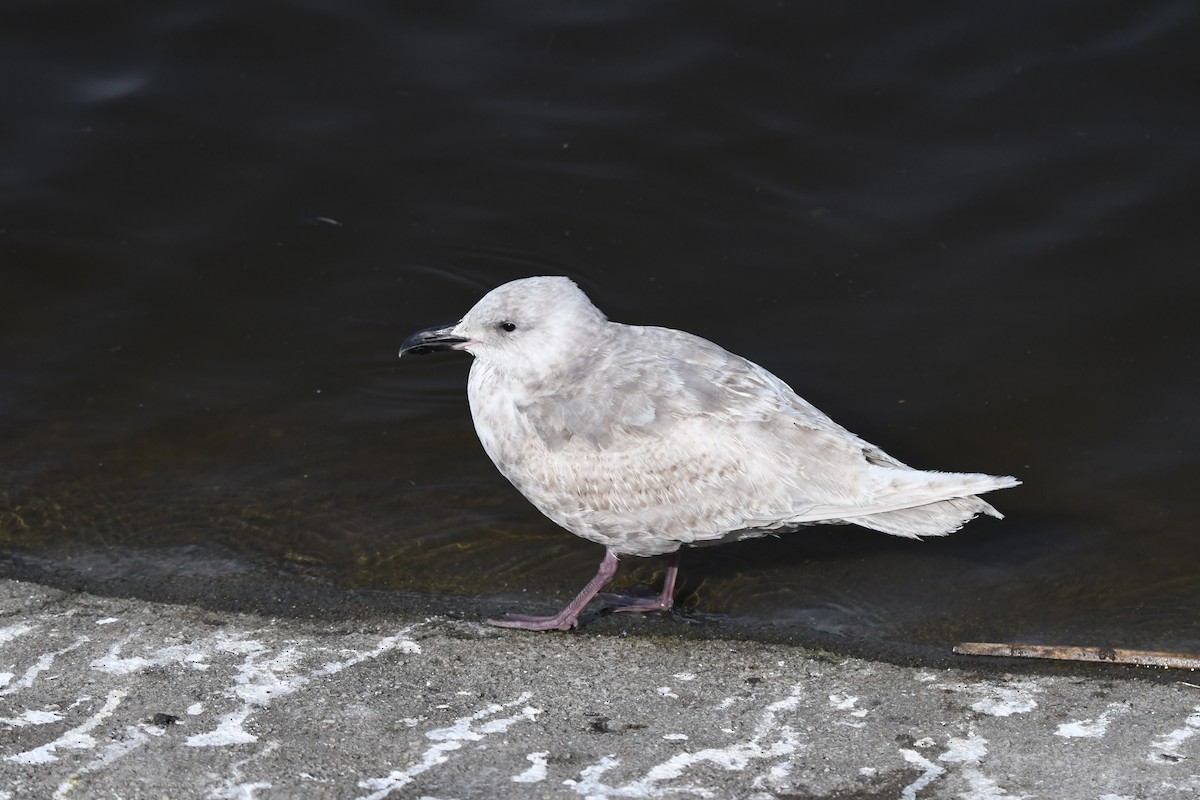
(698, 426)
(644, 380)
(664, 438)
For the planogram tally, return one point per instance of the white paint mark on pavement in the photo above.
(1089, 728)
(7, 634)
(471, 728)
(398, 641)
(1166, 750)
(193, 656)
(969, 750)
(930, 773)
(536, 772)
(772, 739)
(78, 738)
(235, 787)
(43, 663)
(969, 753)
(1014, 696)
(263, 677)
(29, 717)
(117, 750)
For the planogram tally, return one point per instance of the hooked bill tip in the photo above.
(431, 340)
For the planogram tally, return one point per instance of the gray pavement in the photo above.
(117, 698)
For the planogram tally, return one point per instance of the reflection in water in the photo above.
(968, 243)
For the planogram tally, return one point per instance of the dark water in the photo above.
(968, 232)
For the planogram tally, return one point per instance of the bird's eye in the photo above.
(508, 327)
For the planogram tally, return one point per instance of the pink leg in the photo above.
(569, 617)
(664, 601)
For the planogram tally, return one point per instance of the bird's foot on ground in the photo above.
(624, 602)
(527, 622)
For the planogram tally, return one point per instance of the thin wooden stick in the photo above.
(1110, 655)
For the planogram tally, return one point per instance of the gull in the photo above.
(645, 439)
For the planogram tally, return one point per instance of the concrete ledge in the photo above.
(122, 698)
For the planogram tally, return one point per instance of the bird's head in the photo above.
(527, 329)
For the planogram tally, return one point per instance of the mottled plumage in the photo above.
(644, 439)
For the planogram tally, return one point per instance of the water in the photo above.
(966, 232)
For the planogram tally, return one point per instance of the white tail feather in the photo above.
(952, 504)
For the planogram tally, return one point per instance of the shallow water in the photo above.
(965, 233)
